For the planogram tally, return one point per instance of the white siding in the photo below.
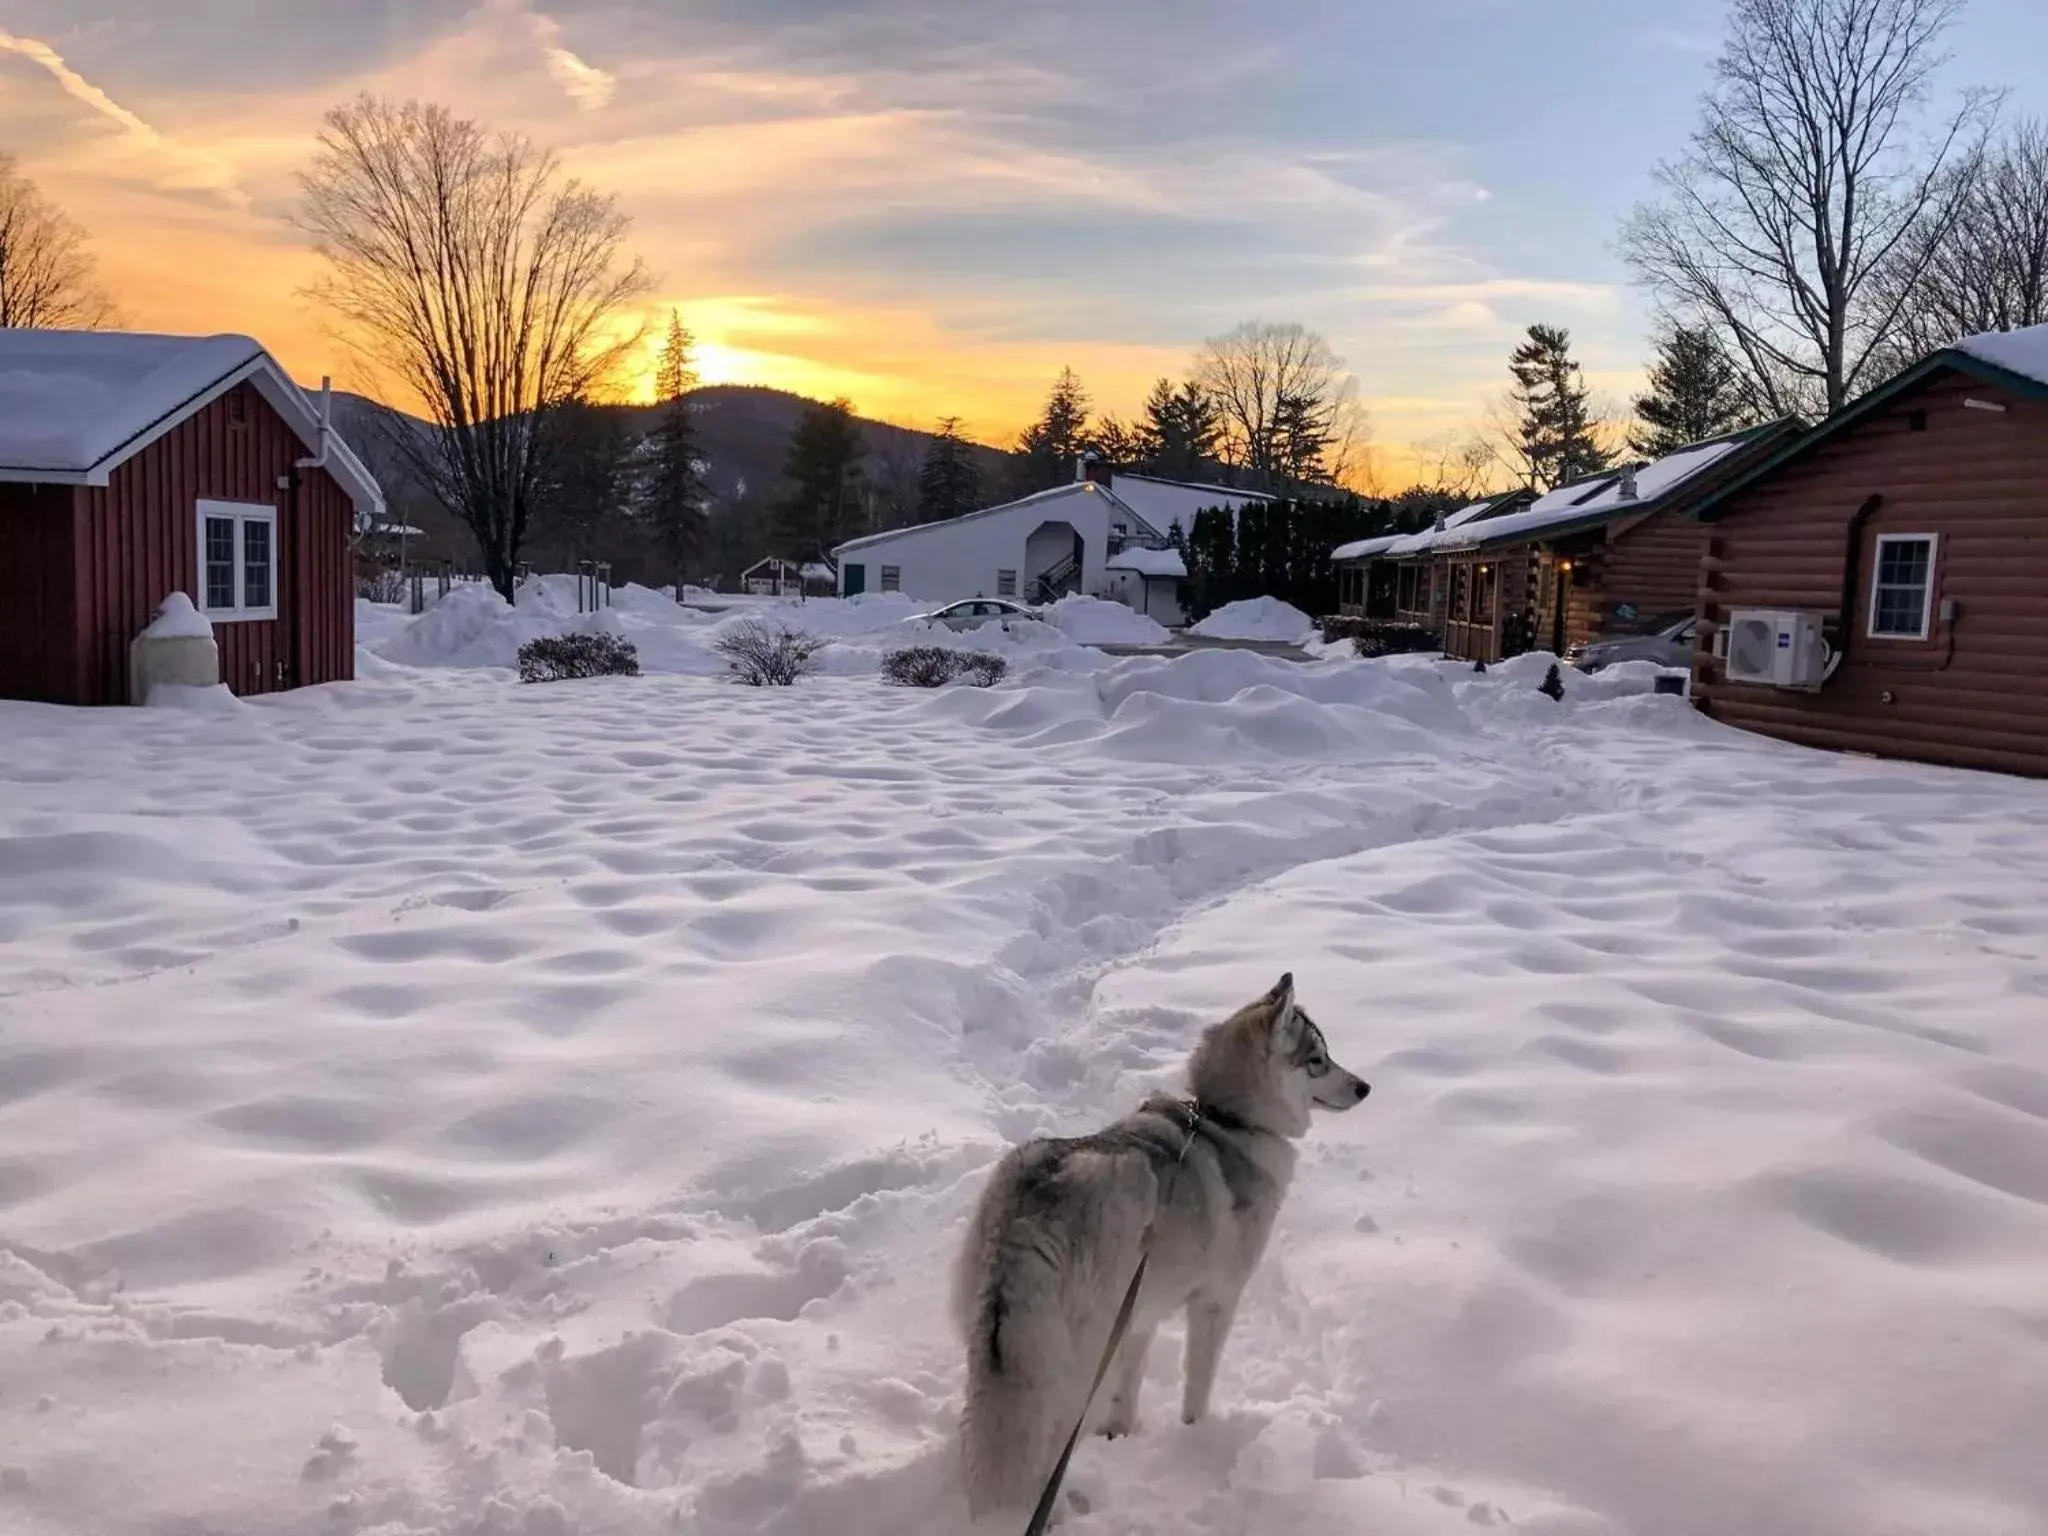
(944, 562)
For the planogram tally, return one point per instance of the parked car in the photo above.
(977, 611)
(1667, 642)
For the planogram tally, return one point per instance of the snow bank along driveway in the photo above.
(437, 1106)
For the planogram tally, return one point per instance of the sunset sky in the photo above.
(932, 206)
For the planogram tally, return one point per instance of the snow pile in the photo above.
(1098, 621)
(1257, 618)
(177, 619)
(436, 1108)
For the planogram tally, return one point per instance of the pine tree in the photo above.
(1554, 425)
(1185, 426)
(1301, 441)
(585, 486)
(950, 482)
(1695, 393)
(1051, 444)
(1119, 445)
(671, 487)
(823, 469)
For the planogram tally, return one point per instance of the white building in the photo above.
(1107, 534)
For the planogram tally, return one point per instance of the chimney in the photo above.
(1627, 491)
(1088, 467)
(1439, 527)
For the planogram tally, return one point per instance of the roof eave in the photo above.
(1948, 360)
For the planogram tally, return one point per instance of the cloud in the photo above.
(180, 166)
(584, 83)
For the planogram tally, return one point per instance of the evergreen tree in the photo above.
(671, 487)
(823, 471)
(1695, 393)
(1301, 441)
(1119, 445)
(1051, 444)
(1184, 425)
(950, 482)
(1554, 424)
(585, 486)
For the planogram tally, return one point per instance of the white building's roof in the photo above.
(1167, 504)
(1148, 562)
(76, 405)
(1147, 504)
(1038, 498)
(2022, 352)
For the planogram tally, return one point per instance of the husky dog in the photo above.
(1061, 1225)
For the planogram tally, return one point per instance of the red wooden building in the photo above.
(1883, 580)
(134, 466)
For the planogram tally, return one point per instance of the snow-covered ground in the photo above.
(473, 627)
(435, 1105)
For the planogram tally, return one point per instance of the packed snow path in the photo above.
(436, 1106)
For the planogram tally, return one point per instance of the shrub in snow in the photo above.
(932, 666)
(983, 669)
(764, 655)
(1383, 637)
(919, 666)
(555, 658)
(1553, 683)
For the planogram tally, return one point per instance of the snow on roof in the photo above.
(2022, 352)
(1595, 495)
(71, 399)
(817, 570)
(1415, 543)
(1148, 562)
(1057, 493)
(1362, 549)
(1167, 504)
(75, 405)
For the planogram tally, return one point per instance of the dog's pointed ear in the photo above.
(1282, 994)
(1280, 1011)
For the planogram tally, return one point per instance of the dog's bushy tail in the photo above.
(1035, 1298)
(1007, 1299)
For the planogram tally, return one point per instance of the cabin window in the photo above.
(1006, 583)
(238, 560)
(1461, 593)
(892, 578)
(1482, 607)
(1902, 587)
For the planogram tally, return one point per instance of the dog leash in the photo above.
(1042, 1515)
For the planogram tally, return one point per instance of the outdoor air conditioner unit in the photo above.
(1777, 647)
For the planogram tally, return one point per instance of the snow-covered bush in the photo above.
(934, 666)
(555, 658)
(764, 655)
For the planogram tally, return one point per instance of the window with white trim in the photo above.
(1006, 583)
(892, 578)
(237, 560)
(1902, 587)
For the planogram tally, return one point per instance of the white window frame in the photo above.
(891, 578)
(1926, 629)
(240, 513)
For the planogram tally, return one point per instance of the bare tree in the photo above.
(1459, 464)
(1287, 406)
(1807, 177)
(1989, 271)
(47, 276)
(472, 274)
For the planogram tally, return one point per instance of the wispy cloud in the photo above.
(582, 82)
(180, 165)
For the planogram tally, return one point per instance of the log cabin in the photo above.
(1880, 585)
(1608, 554)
